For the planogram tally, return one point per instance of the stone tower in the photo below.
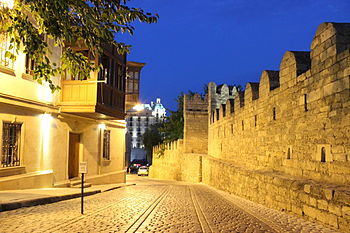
(195, 124)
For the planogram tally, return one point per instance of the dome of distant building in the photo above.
(158, 109)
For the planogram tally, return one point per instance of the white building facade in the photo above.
(139, 119)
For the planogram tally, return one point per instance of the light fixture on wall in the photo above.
(102, 126)
(45, 122)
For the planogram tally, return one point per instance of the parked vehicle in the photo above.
(143, 171)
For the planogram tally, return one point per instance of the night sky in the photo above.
(224, 41)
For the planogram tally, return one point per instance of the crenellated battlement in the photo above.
(329, 47)
(330, 44)
(218, 95)
(291, 114)
(196, 103)
(174, 145)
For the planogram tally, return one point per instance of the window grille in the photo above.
(4, 47)
(30, 65)
(106, 144)
(11, 135)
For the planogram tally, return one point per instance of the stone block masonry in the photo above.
(295, 120)
(195, 124)
(171, 163)
(283, 142)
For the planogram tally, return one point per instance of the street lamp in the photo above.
(138, 107)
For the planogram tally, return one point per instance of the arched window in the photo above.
(323, 155)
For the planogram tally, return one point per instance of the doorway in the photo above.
(73, 160)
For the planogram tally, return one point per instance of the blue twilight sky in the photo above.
(225, 41)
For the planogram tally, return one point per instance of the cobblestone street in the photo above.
(155, 206)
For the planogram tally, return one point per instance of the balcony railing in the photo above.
(110, 97)
(76, 92)
(92, 99)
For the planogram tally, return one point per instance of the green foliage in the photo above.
(152, 137)
(174, 126)
(160, 153)
(95, 22)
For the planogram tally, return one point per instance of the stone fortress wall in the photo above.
(284, 142)
(295, 120)
(170, 162)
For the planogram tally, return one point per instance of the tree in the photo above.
(152, 137)
(95, 22)
(174, 126)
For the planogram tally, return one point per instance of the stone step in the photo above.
(76, 183)
(86, 185)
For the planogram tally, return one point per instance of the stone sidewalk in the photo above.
(14, 199)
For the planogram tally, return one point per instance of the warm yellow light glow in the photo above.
(138, 107)
(45, 121)
(44, 93)
(7, 3)
(102, 126)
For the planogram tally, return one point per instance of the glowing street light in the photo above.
(138, 107)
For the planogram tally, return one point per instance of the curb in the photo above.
(42, 201)
(118, 187)
(48, 200)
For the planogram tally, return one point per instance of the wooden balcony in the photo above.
(102, 96)
(90, 99)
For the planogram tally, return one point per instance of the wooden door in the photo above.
(73, 161)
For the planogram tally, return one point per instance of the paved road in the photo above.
(155, 206)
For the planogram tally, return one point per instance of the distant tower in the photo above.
(132, 84)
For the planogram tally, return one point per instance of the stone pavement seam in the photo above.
(200, 214)
(142, 218)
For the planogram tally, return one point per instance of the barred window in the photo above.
(11, 137)
(5, 46)
(106, 144)
(30, 65)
